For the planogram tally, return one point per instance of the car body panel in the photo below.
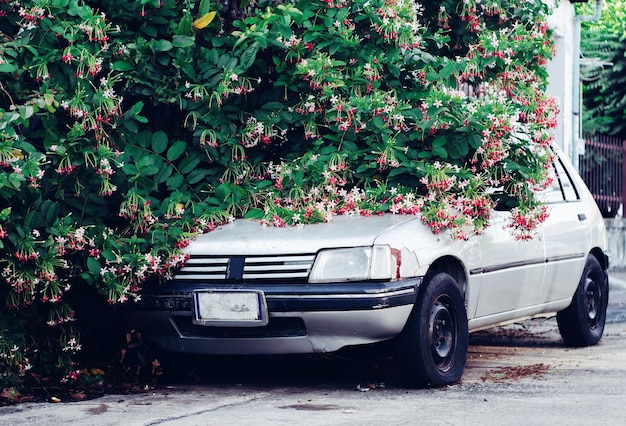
(242, 236)
(504, 262)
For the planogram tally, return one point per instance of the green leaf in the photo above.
(32, 220)
(475, 141)
(109, 255)
(88, 278)
(188, 163)
(247, 58)
(440, 152)
(255, 214)
(196, 176)
(263, 184)
(133, 113)
(144, 139)
(463, 148)
(122, 66)
(447, 70)
(204, 8)
(184, 26)
(183, 41)
(349, 146)
(424, 154)
(5, 213)
(164, 173)
(27, 112)
(149, 30)
(93, 266)
(147, 165)
(163, 45)
(175, 182)
(378, 122)
(51, 212)
(273, 106)
(396, 172)
(176, 150)
(136, 108)
(16, 179)
(131, 126)
(159, 142)
(130, 169)
(222, 192)
(7, 67)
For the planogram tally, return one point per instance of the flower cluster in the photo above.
(95, 117)
(256, 132)
(398, 22)
(32, 16)
(230, 84)
(12, 357)
(525, 223)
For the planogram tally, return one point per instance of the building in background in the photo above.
(564, 74)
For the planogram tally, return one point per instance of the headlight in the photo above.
(353, 264)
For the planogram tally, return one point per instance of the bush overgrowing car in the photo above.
(252, 289)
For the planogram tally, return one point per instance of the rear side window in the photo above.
(562, 188)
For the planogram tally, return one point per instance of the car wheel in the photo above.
(582, 322)
(432, 348)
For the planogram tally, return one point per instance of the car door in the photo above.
(511, 270)
(566, 235)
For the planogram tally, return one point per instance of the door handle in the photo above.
(582, 217)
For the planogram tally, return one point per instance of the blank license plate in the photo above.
(230, 308)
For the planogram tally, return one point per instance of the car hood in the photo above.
(251, 237)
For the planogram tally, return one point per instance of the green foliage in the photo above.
(612, 18)
(604, 80)
(127, 128)
(604, 77)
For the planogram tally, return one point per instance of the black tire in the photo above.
(432, 349)
(582, 322)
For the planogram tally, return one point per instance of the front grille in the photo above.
(246, 268)
(277, 327)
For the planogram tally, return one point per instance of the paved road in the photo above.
(519, 374)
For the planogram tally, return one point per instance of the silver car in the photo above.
(252, 289)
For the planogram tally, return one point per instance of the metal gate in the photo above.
(603, 170)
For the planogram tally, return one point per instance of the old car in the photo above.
(253, 289)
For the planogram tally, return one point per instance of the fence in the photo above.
(604, 170)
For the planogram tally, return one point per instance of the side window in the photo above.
(562, 188)
(571, 194)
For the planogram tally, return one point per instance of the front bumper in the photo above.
(303, 318)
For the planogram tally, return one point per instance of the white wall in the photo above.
(561, 73)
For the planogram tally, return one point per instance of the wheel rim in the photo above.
(593, 294)
(442, 333)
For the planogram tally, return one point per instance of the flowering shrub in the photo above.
(127, 128)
